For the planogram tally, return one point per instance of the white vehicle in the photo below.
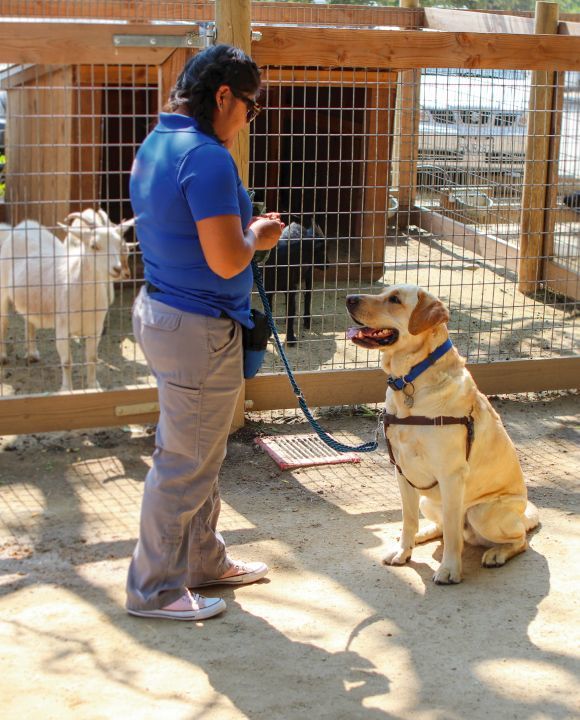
(472, 121)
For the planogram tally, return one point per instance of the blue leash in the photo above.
(324, 436)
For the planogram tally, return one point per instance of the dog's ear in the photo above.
(428, 313)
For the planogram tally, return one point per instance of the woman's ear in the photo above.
(220, 95)
(429, 312)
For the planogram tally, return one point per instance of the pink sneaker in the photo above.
(240, 573)
(190, 606)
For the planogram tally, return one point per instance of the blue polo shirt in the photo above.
(180, 176)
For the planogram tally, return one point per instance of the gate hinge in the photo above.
(203, 36)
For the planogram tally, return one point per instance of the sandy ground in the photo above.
(331, 633)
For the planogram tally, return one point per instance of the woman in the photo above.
(197, 235)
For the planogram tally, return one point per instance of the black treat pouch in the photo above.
(255, 342)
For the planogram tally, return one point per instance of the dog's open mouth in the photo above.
(371, 337)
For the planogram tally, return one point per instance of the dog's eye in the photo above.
(395, 299)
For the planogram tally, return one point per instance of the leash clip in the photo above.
(381, 426)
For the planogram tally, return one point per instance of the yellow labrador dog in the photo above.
(453, 456)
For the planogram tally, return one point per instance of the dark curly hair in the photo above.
(196, 86)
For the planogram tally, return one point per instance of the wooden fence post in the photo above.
(406, 135)
(539, 154)
(234, 27)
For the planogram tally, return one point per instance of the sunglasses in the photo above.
(253, 108)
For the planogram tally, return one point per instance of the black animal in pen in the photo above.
(290, 265)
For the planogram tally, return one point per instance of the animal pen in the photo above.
(435, 147)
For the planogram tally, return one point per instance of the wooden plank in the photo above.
(143, 10)
(321, 77)
(414, 49)
(489, 247)
(569, 28)
(86, 150)
(67, 43)
(135, 10)
(539, 156)
(168, 72)
(406, 141)
(77, 43)
(73, 411)
(562, 281)
(233, 27)
(83, 409)
(378, 123)
(38, 177)
(552, 171)
(366, 385)
(454, 20)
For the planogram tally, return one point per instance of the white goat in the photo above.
(66, 286)
(5, 231)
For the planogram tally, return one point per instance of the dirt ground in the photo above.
(330, 633)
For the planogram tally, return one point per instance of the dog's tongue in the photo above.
(354, 332)
(361, 335)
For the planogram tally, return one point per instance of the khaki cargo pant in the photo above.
(197, 362)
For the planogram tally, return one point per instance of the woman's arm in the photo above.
(228, 250)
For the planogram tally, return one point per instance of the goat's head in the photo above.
(97, 233)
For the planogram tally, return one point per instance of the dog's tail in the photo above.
(531, 516)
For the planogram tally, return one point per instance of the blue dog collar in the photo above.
(398, 383)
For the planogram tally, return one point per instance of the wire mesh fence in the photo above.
(383, 176)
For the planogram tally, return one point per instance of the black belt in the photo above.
(152, 289)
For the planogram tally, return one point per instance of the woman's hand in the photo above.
(267, 229)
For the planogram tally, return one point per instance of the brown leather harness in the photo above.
(433, 422)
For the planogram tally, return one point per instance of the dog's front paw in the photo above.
(447, 576)
(397, 555)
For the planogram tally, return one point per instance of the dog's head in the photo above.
(400, 312)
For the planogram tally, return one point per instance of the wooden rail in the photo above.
(74, 43)
(267, 392)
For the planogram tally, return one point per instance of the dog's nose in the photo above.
(352, 300)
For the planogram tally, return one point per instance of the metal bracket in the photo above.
(203, 38)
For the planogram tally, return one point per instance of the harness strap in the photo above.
(433, 422)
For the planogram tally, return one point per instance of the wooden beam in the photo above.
(539, 156)
(561, 280)
(84, 409)
(569, 28)
(74, 43)
(321, 77)
(407, 49)
(77, 43)
(273, 12)
(233, 26)
(454, 20)
(488, 246)
(378, 130)
(368, 385)
(168, 72)
(76, 410)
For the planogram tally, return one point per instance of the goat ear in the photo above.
(69, 218)
(103, 216)
(75, 232)
(428, 313)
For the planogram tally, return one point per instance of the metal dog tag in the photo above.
(408, 392)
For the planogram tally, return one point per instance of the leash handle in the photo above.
(322, 434)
